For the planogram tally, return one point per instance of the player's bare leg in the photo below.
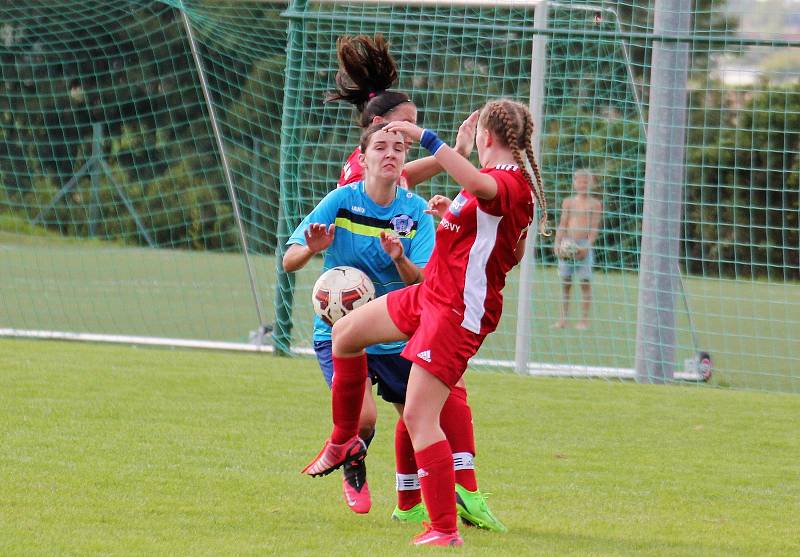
(369, 413)
(367, 325)
(425, 398)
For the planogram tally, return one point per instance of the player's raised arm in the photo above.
(462, 171)
(427, 167)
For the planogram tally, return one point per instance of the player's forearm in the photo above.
(427, 167)
(420, 170)
(296, 258)
(410, 273)
(467, 176)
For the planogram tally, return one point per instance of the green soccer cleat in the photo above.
(473, 510)
(418, 513)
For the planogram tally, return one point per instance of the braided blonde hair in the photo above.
(512, 123)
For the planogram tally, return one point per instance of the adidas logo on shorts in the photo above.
(425, 355)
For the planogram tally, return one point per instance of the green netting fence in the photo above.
(154, 156)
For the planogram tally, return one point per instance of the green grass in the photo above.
(123, 451)
(90, 286)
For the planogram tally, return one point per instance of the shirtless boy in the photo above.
(581, 215)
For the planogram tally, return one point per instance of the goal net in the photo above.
(156, 154)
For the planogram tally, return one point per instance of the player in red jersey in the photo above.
(366, 73)
(481, 236)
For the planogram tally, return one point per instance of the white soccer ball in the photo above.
(340, 290)
(568, 249)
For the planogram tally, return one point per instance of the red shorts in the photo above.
(437, 342)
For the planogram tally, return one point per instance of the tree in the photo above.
(741, 217)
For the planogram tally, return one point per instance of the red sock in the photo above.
(456, 422)
(408, 493)
(347, 395)
(438, 485)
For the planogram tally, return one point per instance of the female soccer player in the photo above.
(481, 236)
(362, 211)
(367, 71)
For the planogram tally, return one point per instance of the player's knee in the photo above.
(417, 421)
(344, 335)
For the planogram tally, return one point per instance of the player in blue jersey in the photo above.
(383, 230)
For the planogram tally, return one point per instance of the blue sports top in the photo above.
(357, 243)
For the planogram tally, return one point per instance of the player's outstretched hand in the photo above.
(465, 139)
(411, 131)
(438, 205)
(392, 245)
(319, 236)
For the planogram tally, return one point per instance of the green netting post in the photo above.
(284, 285)
(97, 154)
(663, 195)
(254, 208)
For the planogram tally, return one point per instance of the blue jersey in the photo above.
(357, 243)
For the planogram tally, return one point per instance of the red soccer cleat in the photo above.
(333, 456)
(434, 537)
(355, 487)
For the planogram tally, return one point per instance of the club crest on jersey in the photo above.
(458, 204)
(402, 224)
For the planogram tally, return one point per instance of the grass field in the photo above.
(122, 451)
(50, 283)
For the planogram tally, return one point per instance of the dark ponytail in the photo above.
(366, 72)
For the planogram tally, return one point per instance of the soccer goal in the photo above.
(156, 154)
(462, 53)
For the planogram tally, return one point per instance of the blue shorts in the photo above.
(580, 268)
(388, 371)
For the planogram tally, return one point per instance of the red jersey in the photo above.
(474, 250)
(352, 171)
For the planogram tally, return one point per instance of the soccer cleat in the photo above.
(434, 537)
(473, 510)
(355, 487)
(333, 456)
(418, 513)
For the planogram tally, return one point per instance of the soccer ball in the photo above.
(340, 290)
(567, 249)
